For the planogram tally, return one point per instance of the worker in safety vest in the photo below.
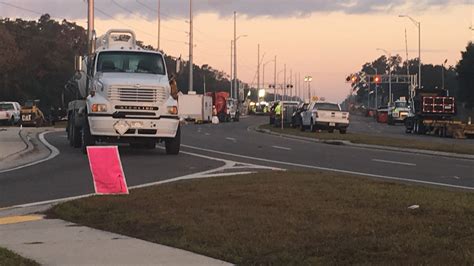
(278, 109)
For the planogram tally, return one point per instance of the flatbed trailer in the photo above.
(448, 128)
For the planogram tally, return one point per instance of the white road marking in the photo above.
(331, 169)
(54, 152)
(282, 148)
(393, 162)
(231, 139)
(207, 134)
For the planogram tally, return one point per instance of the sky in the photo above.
(325, 39)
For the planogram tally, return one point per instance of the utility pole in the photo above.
(191, 64)
(258, 68)
(231, 69)
(159, 25)
(283, 97)
(236, 88)
(90, 27)
(294, 86)
(290, 93)
(274, 80)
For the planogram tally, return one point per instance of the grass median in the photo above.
(461, 148)
(9, 258)
(287, 218)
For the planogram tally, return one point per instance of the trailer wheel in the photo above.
(173, 145)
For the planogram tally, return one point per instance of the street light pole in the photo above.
(191, 64)
(235, 55)
(442, 73)
(274, 79)
(418, 25)
(231, 69)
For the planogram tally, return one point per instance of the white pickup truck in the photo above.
(9, 113)
(325, 116)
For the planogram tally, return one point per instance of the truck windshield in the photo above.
(327, 106)
(6, 106)
(131, 62)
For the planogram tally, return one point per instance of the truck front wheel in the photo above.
(74, 133)
(86, 137)
(173, 145)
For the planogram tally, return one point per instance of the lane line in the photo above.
(54, 152)
(331, 169)
(231, 139)
(282, 148)
(393, 162)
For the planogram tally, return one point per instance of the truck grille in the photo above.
(137, 95)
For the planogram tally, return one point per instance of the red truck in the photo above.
(219, 100)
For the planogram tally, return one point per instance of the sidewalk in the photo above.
(56, 242)
(20, 146)
(11, 142)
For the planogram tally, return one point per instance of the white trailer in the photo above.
(195, 107)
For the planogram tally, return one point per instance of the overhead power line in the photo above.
(156, 10)
(129, 26)
(141, 16)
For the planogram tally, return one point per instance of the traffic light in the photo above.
(377, 79)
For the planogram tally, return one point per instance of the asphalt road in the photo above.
(69, 175)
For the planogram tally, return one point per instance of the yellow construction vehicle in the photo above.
(31, 115)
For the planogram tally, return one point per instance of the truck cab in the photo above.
(126, 97)
(398, 111)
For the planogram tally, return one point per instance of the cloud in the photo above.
(179, 9)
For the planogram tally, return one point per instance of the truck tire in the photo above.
(312, 126)
(74, 133)
(302, 127)
(343, 130)
(390, 121)
(12, 121)
(172, 145)
(86, 138)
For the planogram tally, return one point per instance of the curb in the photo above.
(367, 146)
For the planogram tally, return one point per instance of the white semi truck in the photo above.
(125, 96)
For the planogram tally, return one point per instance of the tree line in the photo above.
(457, 80)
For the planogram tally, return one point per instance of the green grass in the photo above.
(9, 258)
(461, 148)
(292, 218)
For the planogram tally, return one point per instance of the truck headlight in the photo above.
(172, 110)
(99, 108)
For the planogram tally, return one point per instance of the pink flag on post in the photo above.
(107, 171)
